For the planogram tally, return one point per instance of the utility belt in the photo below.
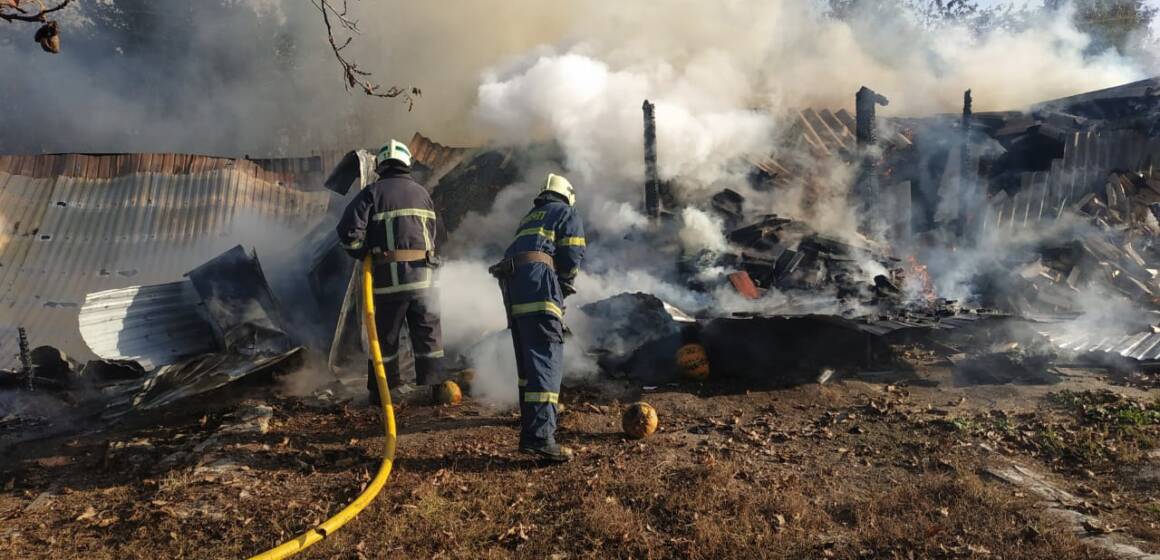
(405, 256)
(506, 268)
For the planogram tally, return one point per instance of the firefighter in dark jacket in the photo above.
(537, 273)
(394, 221)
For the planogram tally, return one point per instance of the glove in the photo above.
(567, 287)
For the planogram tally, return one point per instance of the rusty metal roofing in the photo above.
(433, 154)
(75, 224)
(438, 158)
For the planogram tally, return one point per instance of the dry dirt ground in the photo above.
(856, 468)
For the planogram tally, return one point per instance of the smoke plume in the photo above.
(256, 76)
(232, 77)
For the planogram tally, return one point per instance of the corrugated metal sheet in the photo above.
(433, 154)
(1088, 158)
(77, 224)
(155, 325)
(301, 173)
(438, 158)
(1143, 346)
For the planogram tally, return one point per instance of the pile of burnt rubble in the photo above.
(780, 254)
(1111, 247)
(232, 312)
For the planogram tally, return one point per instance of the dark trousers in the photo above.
(539, 347)
(391, 313)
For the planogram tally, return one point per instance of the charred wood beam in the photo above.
(866, 134)
(966, 181)
(652, 195)
(865, 104)
(25, 356)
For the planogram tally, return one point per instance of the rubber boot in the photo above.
(552, 453)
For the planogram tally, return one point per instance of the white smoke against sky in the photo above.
(257, 76)
(721, 73)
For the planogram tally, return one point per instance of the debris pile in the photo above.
(1111, 248)
(157, 345)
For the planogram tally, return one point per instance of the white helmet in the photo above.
(395, 150)
(561, 186)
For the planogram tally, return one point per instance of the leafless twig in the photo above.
(13, 10)
(354, 76)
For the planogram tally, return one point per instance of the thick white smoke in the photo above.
(234, 77)
(722, 73)
(256, 76)
(723, 76)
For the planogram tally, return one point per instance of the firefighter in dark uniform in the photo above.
(394, 220)
(537, 273)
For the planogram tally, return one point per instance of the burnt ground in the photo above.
(856, 468)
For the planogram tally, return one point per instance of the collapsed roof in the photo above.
(73, 224)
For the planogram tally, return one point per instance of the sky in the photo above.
(987, 3)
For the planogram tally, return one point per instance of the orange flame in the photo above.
(918, 276)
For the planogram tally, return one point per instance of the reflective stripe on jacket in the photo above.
(552, 227)
(390, 214)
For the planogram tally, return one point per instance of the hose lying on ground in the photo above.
(328, 527)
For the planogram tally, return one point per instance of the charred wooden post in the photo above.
(652, 194)
(866, 133)
(25, 356)
(966, 181)
(865, 105)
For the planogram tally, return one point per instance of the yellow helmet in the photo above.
(561, 186)
(395, 150)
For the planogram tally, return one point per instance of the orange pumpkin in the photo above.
(693, 362)
(448, 393)
(639, 420)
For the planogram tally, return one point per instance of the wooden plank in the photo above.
(847, 120)
(838, 129)
(1037, 204)
(819, 127)
(811, 136)
(1055, 187)
(1024, 208)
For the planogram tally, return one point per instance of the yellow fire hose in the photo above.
(328, 527)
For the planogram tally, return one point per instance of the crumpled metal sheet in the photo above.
(197, 335)
(152, 325)
(192, 377)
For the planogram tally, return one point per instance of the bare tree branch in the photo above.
(13, 10)
(354, 76)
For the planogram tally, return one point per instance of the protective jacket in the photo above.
(392, 214)
(534, 292)
(554, 228)
(394, 219)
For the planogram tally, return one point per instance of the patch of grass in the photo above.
(1106, 407)
(1153, 509)
(1082, 429)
